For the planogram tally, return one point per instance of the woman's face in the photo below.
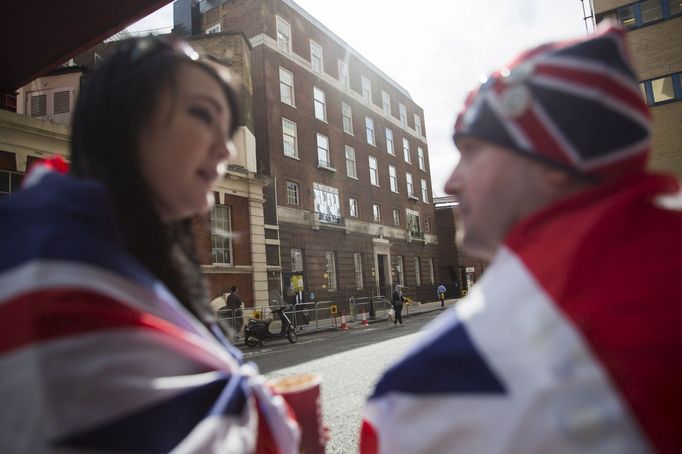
(184, 147)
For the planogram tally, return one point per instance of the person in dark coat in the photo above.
(397, 301)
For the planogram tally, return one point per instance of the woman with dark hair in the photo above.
(109, 344)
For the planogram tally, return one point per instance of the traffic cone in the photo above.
(364, 319)
(344, 325)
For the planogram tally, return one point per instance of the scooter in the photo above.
(256, 331)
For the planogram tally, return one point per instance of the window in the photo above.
(357, 260)
(53, 105)
(373, 171)
(626, 16)
(393, 178)
(327, 204)
(674, 7)
(417, 272)
(221, 234)
(420, 157)
(418, 125)
(425, 191)
(403, 115)
(369, 127)
(289, 142)
(9, 182)
(296, 260)
(640, 14)
(396, 217)
(663, 89)
(410, 185)
(406, 150)
(213, 29)
(399, 270)
(292, 193)
(283, 36)
(323, 159)
(427, 225)
(432, 279)
(331, 270)
(385, 103)
(389, 142)
(347, 115)
(354, 209)
(316, 57)
(343, 73)
(286, 86)
(320, 104)
(376, 212)
(413, 225)
(651, 11)
(366, 90)
(351, 168)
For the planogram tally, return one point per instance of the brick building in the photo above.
(458, 270)
(655, 34)
(350, 207)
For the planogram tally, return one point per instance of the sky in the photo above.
(436, 49)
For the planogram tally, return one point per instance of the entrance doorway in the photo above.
(381, 264)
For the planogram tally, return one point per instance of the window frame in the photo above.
(217, 239)
(407, 153)
(291, 87)
(373, 171)
(327, 162)
(347, 118)
(366, 89)
(316, 58)
(393, 179)
(320, 100)
(390, 149)
(369, 128)
(295, 189)
(403, 115)
(357, 264)
(425, 191)
(376, 212)
(279, 21)
(295, 138)
(351, 205)
(352, 160)
(332, 283)
(386, 103)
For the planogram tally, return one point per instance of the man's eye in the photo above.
(202, 114)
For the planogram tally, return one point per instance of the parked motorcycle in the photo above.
(256, 331)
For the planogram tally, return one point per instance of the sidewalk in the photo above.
(412, 310)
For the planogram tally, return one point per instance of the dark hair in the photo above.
(114, 105)
(234, 288)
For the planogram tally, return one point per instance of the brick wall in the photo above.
(667, 150)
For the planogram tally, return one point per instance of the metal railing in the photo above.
(307, 316)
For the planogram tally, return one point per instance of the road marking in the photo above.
(318, 339)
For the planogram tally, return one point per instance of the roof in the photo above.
(36, 38)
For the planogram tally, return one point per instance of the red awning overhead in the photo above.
(35, 37)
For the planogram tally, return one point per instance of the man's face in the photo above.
(496, 188)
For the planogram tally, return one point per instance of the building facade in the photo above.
(655, 34)
(350, 206)
(458, 270)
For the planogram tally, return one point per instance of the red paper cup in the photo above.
(302, 393)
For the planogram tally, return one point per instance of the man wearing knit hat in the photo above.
(571, 342)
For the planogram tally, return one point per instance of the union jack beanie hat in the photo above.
(575, 105)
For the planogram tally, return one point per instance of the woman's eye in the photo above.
(202, 114)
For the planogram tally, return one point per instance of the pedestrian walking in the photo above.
(441, 295)
(571, 341)
(235, 305)
(397, 300)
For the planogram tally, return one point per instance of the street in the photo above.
(350, 363)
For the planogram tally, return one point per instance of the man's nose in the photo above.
(454, 183)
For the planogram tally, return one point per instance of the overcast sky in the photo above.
(436, 49)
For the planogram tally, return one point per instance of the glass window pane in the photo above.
(626, 16)
(663, 89)
(675, 7)
(651, 11)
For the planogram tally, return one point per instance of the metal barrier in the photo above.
(312, 315)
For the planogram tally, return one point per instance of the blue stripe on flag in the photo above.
(450, 364)
(161, 427)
